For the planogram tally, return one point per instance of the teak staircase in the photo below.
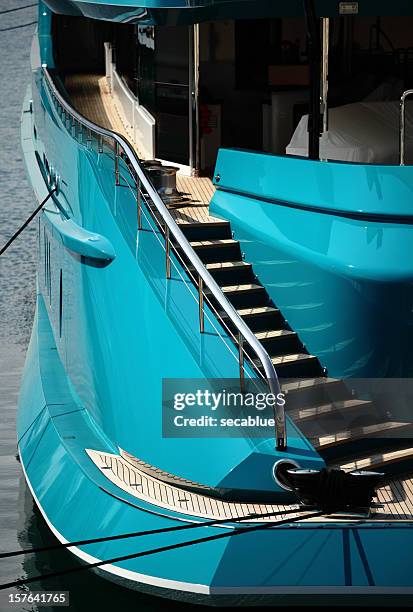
(346, 431)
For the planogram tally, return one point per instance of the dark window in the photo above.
(163, 78)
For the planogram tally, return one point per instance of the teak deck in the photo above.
(395, 498)
(91, 97)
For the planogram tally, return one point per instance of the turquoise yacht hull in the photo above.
(110, 327)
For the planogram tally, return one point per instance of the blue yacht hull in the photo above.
(322, 562)
(109, 327)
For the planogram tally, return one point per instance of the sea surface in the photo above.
(21, 526)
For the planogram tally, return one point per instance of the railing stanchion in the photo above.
(166, 224)
(280, 429)
(138, 202)
(117, 163)
(241, 362)
(168, 252)
(201, 304)
(402, 125)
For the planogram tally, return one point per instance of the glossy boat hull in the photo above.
(331, 243)
(109, 327)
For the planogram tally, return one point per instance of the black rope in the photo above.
(23, 25)
(153, 551)
(26, 223)
(138, 534)
(18, 8)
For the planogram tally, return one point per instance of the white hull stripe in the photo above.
(206, 590)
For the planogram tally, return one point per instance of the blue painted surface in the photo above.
(123, 326)
(65, 481)
(80, 241)
(344, 284)
(93, 380)
(366, 189)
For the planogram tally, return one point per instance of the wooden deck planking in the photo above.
(91, 97)
(396, 496)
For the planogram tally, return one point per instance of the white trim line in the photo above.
(113, 569)
(206, 590)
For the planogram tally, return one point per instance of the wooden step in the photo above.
(227, 265)
(326, 441)
(211, 251)
(254, 312)
(213, 243)
(212, 222)
(385, 460)
(274, 333)
(306, 392)
(230, 272)
(245, 287)
(297, 364)
(279, 341)
(258, 318)
(302, 415)
(205, 230)
(246, 295)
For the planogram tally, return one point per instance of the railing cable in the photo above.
(137, 534)
(153, 551)
(26, 223)
(125, 149)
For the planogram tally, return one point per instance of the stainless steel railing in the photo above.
(402, 125)
(244, 336)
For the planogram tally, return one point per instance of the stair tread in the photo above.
(297, 384)
(252, 311)
(242, 287)
(211, 222)
(212, 243)
(289, 358)
(376, 460)
(221, 265)
(256, 310)
(328, 440)
(309, 412)
(274, 333)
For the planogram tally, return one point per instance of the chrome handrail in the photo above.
(402, 126)
(171, 227)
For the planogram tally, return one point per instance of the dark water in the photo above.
(20, 523)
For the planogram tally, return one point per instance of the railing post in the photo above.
(244, 333)
(116, 163)
(138, 202)
(402, 126)
(89, 139)
(241, 361)
(201, 304)
(168, 252)
(280, 429)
